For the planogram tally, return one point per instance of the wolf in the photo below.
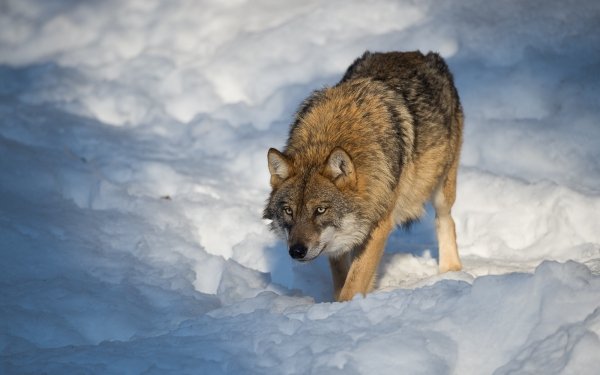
(364, 156)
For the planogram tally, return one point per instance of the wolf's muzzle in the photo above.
(298, 251)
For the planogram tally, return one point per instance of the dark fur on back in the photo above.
(424, 83)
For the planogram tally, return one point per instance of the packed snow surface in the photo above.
(133, 138)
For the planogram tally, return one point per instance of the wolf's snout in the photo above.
(298, 251)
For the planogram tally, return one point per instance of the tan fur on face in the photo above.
(338, 241)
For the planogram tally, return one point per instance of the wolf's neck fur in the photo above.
(337, 118)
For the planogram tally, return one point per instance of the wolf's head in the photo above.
(315, 207)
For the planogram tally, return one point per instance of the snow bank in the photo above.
(133, 137)
(548, 321)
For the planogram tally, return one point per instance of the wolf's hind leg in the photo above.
(361, 274)
(443, 199)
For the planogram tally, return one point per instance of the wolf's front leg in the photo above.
(361, 275)
(339, 270)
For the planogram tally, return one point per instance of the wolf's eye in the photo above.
(287, 210)
(320, 210)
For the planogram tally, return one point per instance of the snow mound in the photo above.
(547, 321)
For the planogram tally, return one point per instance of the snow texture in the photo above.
(133, 138)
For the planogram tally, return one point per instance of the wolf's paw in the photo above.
(450, 267)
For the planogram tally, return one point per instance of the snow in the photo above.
(133, 138)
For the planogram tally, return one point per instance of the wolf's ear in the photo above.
(279, 166)
(340, 169)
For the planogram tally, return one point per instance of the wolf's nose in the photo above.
(298, 251)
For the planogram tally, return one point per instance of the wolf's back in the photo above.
(423, 83)
(403, 71)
